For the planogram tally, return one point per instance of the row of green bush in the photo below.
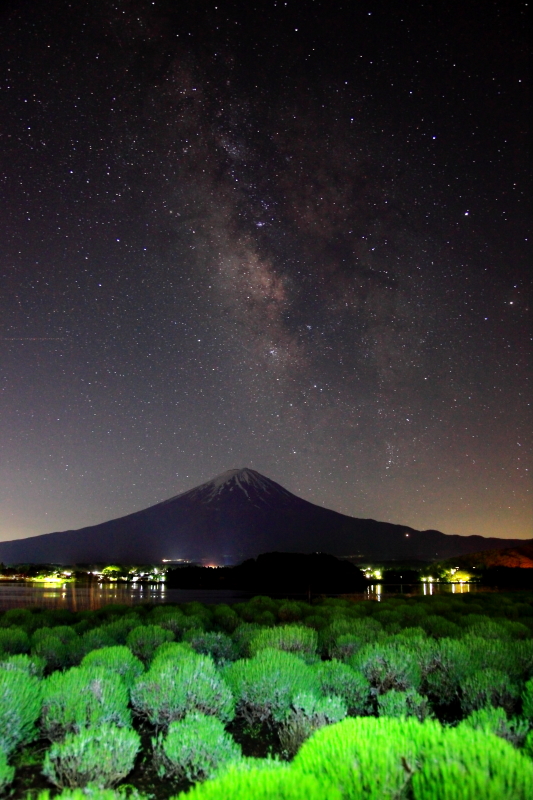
(285, 681)
(62, 638)
(361, 759)
(88, 709)
(460, 611)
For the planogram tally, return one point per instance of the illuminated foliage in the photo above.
(173, 688)
(262, 784)
(118, 659)
(7, 773)
(388, 666)
(99, 756)
(13, 640)
(404, 704)
(20, 706)
(144, 640)
(290, 638)
(341, 680)
(194, 748)
(308, 713)
(83, 697)
(265, 686)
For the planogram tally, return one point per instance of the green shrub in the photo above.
(145, 639)
(119, 659)
(451, 781)
(377, 758)
(216, 644)
(495, 720)
(363, 631)
(173, 688)
(265, 618)
(257, 613)
(388, 666)
(196, 615)
(160, 612)
(520, 661)
(527, 701)
(194, 748)
(20, 706)
(365, 758)
(22, 617)
(196, 609)
(263, 603)
(243, 635)
(289, 611)
(60, 646)
(13, 641)
(404, 704)
(83, 697)
(516, 630)
(7, 773)
(225, 618)
(390, 619)
(307, 714)
(486, 628)
(265, 685)
(488, 687)
(468, 764)
(528, 745)
(440, 627)
(341, 680)
(449, 667)
(32, 665)
(55, 653)
(490, 654)
(316, 621)
(262, 784)
(99, 756)
(96, 638)
(175, 621)
(119, 629)
(171, 651)
(195, 622)
(290, 638)
(421, 650)
(345, 647)
(89, 793)
(64, 633)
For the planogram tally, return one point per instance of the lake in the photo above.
(82, 597)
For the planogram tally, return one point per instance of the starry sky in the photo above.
(291, 236)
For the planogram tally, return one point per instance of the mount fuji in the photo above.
(238, 515)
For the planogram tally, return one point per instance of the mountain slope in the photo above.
(238, 515)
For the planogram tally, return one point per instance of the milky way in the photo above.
(278, 237)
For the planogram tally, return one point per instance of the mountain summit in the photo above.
(253, 486)
(236, 515)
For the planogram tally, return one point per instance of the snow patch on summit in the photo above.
(252, 484)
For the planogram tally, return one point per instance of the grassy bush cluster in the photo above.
(420, 698)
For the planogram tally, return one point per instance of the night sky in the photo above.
(291, 236)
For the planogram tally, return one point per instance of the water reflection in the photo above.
(379, 590)
(374, 592)
(83, 597)
(89, 597)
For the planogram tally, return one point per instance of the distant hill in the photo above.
(276, 573)
(517, 556)
(236, 516)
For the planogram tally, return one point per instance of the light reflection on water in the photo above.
(378, 590)
(82, 597)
